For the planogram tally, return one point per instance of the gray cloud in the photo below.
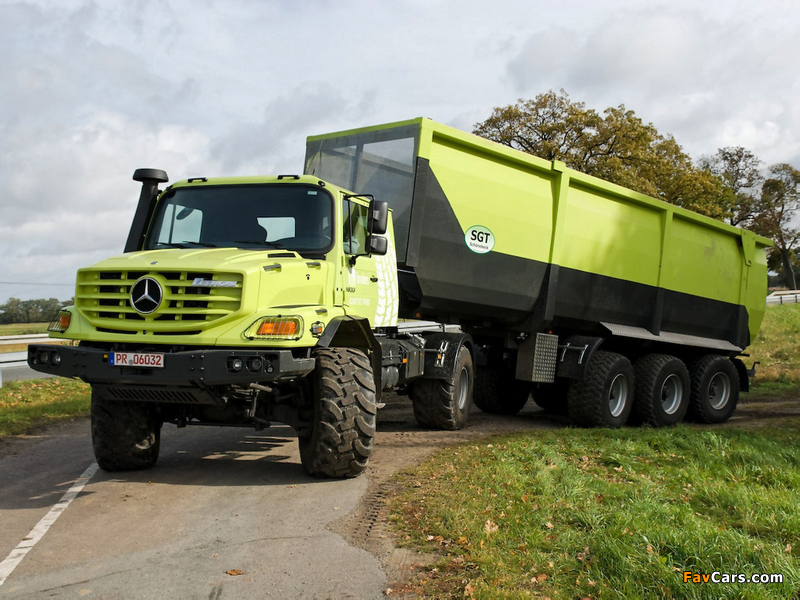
(90, 91)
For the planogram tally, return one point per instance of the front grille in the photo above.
(103, 297)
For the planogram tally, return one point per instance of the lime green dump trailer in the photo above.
(542, 265)
(248, 300)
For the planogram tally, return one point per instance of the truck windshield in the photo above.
(291, 217)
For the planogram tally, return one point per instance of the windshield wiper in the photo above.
(185, 244)
(267, 244)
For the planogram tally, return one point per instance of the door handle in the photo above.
(373, 279)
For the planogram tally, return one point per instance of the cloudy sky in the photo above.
(90, 91)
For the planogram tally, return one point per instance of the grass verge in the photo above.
(608, 514)
(22, 328)
(25, 405)
(777, 348)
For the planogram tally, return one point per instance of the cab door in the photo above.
(359, 270)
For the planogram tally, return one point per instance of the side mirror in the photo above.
(379, 216)
(377, 245)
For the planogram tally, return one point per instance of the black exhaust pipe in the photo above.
(150, 178)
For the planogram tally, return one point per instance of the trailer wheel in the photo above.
(552, 397)
(604, 397)
(715, 389)
(498, 392)
(662, 390)
(439, 404)
(126, 436)
(341, 439)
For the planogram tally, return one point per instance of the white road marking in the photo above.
(36, 534)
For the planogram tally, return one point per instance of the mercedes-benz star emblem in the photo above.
(146, 295)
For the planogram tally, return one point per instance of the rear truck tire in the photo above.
(344, 407)
(126, 436)
(715, 389)
(604, 397)
(552, 397)
(498, 392)
(439, 404)
(662, 390)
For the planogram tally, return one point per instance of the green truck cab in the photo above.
(243, 301)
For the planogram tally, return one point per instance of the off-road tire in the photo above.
(552, 397)
(344, 408)
(659, 377)
(439, 404)
(718, 371)
(609, 381)
(126, 436)
(499, 393)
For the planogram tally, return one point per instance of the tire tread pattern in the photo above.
(497, 393)
(586, 398)
(698, 409)
(435, 401)
(125, 435)
(342, 437)
(648, 370)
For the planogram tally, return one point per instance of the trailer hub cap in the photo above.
(719, 391)
(618, 395)
(671, 394)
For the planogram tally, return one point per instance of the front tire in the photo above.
(126, 436)
(715, 389)
(439, 404)
(344, 409)
(662, 390)
(604, 397)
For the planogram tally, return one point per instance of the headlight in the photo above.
(61, 323)
(276, 328)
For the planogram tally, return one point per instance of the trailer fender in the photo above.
(353, 332)
(744, 374)
(574, 354)
(441, 354)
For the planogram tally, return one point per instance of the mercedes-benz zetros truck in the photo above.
(243, 301)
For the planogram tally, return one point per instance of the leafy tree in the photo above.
(30, 311)
(617, 147)
(740, 169)
(774, 212)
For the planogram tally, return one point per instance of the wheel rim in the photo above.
(618, 395)
(719, 391)
(463, 388)
(671, 394)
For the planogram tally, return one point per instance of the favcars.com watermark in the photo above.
(718, 577)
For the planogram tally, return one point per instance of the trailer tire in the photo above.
(439, 404)
(343, 424)
(662, 390)
(499, 393)
(126, 436)
(552, 397)
(604, 397)
(715, 389)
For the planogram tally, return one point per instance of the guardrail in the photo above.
(11, 340)
(784, 297)
(14, 365)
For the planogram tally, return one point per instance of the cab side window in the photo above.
(355, 231)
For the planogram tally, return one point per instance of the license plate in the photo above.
(136, 359)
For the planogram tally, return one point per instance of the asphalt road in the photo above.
(219, 500)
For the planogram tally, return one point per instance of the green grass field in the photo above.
(23, 328)
(625, 513)
(26, 405)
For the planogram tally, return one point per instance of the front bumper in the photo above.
(194, 368)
